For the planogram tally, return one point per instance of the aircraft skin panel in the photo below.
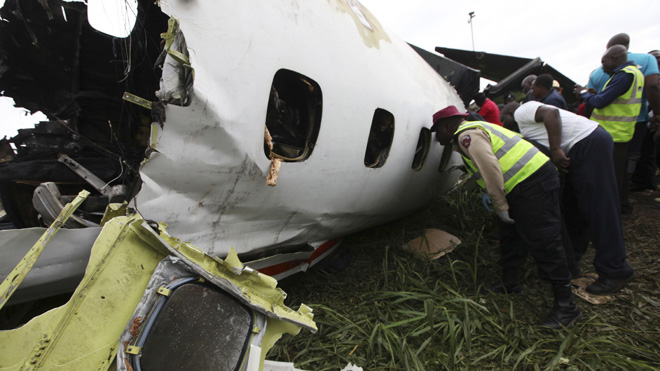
(84, 333)
(59, 268)
(207, 179)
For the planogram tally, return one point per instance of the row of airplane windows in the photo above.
(294, 115)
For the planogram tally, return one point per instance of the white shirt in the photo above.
(574, 127)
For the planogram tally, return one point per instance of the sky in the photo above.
(569, 35)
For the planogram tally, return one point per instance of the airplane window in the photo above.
(422, 150)
(198, 327)
(293, 117)
(380, 139)
(446, 157)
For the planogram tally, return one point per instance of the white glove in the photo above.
(504, 216)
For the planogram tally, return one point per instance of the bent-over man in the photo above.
(580, 148)
(524, 188)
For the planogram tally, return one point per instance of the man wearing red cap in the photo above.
(524, 187)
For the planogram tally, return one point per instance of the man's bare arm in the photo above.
(550, 117)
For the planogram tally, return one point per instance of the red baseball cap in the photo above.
(450, 111)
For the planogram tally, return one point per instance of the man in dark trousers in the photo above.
(616, 109)
(524, 188)
(590, 202)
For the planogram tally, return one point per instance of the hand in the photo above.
(560, 160)
(504, 216)
(578, 90)
(485, 200)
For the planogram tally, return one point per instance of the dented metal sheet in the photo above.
(204, 81)
(60, 267)
(217, 197)
(207, 80)
(255, 289)
(18, 274)
(84, 333)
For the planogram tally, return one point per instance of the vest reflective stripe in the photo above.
(518, 158)
(620, 116)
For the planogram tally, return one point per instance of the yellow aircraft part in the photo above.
(18, 274)
(84, 333)
(274, 331)
(259, 289)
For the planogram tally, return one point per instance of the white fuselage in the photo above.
(207, 177)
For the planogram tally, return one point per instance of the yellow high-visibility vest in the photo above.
(620, 116)
(517, 157)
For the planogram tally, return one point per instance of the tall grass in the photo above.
(393, 310)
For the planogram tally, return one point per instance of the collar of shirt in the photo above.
(629, 63)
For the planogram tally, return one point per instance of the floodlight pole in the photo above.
(472, 15)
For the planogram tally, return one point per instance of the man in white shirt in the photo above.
(582, 150)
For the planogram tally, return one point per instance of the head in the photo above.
(507, 118)
(619, 39)
(656, 54)
(542, 86)
(527, 82)
(509, 97)
(613, 57)
(479, 99)
(445, 123)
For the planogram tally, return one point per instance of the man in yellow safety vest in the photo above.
(524, 188)
(616, 109)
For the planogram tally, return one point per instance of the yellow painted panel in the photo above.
(83, 334)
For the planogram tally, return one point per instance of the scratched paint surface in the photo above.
(368, 26)
(207, 176)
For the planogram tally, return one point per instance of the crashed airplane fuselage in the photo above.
(269, 127)
(259, 132)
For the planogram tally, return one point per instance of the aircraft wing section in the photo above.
(464, 79)
(512, 81)
(493, 67)
(508, 71)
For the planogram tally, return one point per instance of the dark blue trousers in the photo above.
(534, 205)
(591, 205)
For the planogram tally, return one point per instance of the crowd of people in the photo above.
(558, 179)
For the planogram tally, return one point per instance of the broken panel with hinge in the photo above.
(145, 291)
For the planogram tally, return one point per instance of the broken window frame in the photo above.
(161, 312)
(292, 94)
(376, 153)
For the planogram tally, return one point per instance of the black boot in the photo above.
(565, 312)
(510, 284)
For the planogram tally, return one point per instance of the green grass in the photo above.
(393, 310)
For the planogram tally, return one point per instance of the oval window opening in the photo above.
(293, 117)
(422, 149)
(446, 157)
(380, 139)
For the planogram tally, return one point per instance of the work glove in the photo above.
(485, 200)
(504, 216)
